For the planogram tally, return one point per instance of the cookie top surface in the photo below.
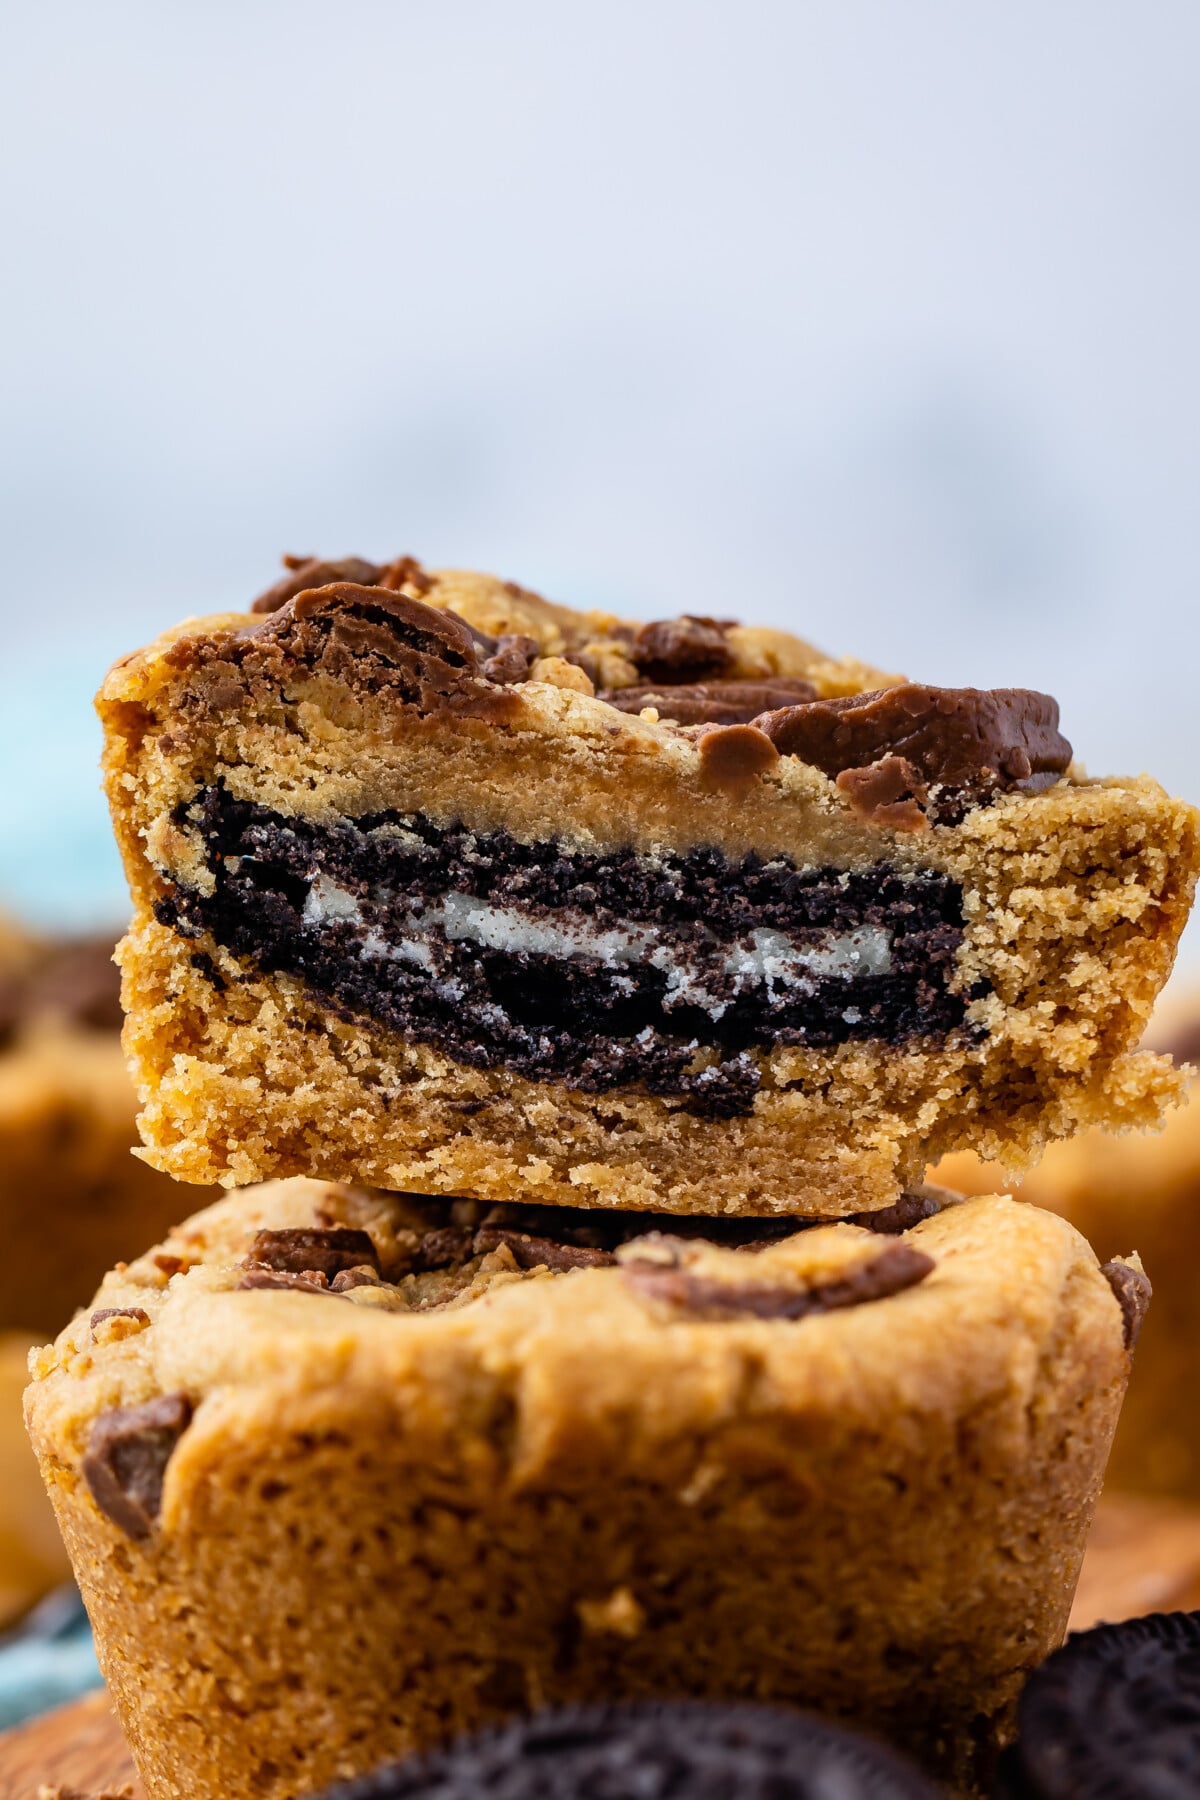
(304, 1299)
(684, 1750)
(744, 701)
(1114, 1714)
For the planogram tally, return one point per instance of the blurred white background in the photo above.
(875, 320)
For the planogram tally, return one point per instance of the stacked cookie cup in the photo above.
(574, 1005)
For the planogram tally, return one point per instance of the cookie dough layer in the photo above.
(415, 905)
(342, 1473)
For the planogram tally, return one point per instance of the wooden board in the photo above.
(1144, 1556)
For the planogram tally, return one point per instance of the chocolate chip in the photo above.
(898, 1267)
(890, 793)
(127, 1456)
(680, 650)
(440, 1249)
(353, 1278)
(540, 1252)
(118, 1312)
(731, 756)
(958, 737)
(379, 640)
(312, 1251)
(1133, 1291)
(511, 659)
(314, 572)
(315, 1282)
(712, 702)
(917, 1204)
(406, 572)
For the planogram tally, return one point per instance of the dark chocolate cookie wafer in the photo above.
(682, 1750)
(1114, 1715)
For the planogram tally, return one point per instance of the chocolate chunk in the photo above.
(118, 1312)
(913, 1206)
(956, 737)
(442, 1248)
(384, 641)
(361, 1276)
(1133, 1291)
(314, 572)
(312, 1250)
(733, 755)
(406, 572)
(712, 702)
(889, 793)
(512, 658)
(540, 1252)
(686, 649)
(127, 1456)
(898, 1267)
(304, 1282)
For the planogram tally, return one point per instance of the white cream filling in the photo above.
(764, 958)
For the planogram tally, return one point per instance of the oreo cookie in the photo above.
(1114, 1714)
(660, 1750)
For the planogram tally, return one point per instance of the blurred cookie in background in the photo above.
(73, 1197)
(1139, 1191)
(32, 1558)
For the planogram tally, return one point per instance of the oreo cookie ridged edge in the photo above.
(1114, 1714)
(668, 1750)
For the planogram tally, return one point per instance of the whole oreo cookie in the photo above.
(1114, 1715)
(661, 1750)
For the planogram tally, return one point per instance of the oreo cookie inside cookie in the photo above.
(668, 1750)
(597, 969)
(1114, 1714)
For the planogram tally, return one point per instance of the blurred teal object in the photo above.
(59, 867)
(47, 1660)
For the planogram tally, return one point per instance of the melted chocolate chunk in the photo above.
(442, 1248)
(898, 1267)
(127, 1456)
(712, 702)
(314, 572)
(972, 738)
(889, 793)
(1133, 1293)
(913, 1206)
(539, 1252)
(312, 1251)
(512, 658)
(686, 649)
(361, 1276)
(313, 1281)
(581, 1018)
(118, 1312)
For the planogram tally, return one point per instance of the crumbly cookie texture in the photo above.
(342, 1472)
(1142, 1190)
(445, 888)
(73, 1197)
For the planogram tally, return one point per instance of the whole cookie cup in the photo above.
(342, 1473)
